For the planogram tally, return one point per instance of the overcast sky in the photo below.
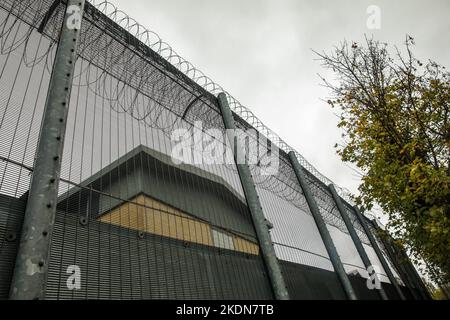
(260, 51)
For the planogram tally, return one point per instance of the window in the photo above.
(222, 240)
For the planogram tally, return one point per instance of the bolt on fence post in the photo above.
(33, 253)
(378, 252)
(262, 232)
(324, 233)
(351, 229)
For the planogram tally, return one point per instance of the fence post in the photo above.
(257, 215)
(351, 229)
(31, 266)
(416, 278)
(326, 238)
(377, 250)
(395, 256)
(411, 272)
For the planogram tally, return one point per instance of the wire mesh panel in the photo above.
(373, 257)
(385, 254)
(295, 234)
(164, 230)
(356, 224)
(26, 59)
(297, 242)
(338, 231)
(150, 202)
(134, 223)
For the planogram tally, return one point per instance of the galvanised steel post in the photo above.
(377, 250)
(351, 230)
(412, 273)
(257, 215)
(31, 266)
(420, 285)
(324, 233)
(400, 266)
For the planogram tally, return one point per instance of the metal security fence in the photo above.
(91, 97)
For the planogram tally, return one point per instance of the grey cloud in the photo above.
(260, 51)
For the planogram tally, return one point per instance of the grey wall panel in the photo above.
(385, 254)
(223, 209)
(376, 262)
(301, 256)
(207, 197)
(116, 263)
(361, 289)
(295, 233)
(391, 292)
(307, 282)
(11, 216)
(346, 249)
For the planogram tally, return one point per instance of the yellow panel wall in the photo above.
(146, 214)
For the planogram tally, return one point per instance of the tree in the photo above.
(439, 292)
(394, 111)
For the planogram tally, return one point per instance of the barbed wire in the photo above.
(136, 87)
(154, 42)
